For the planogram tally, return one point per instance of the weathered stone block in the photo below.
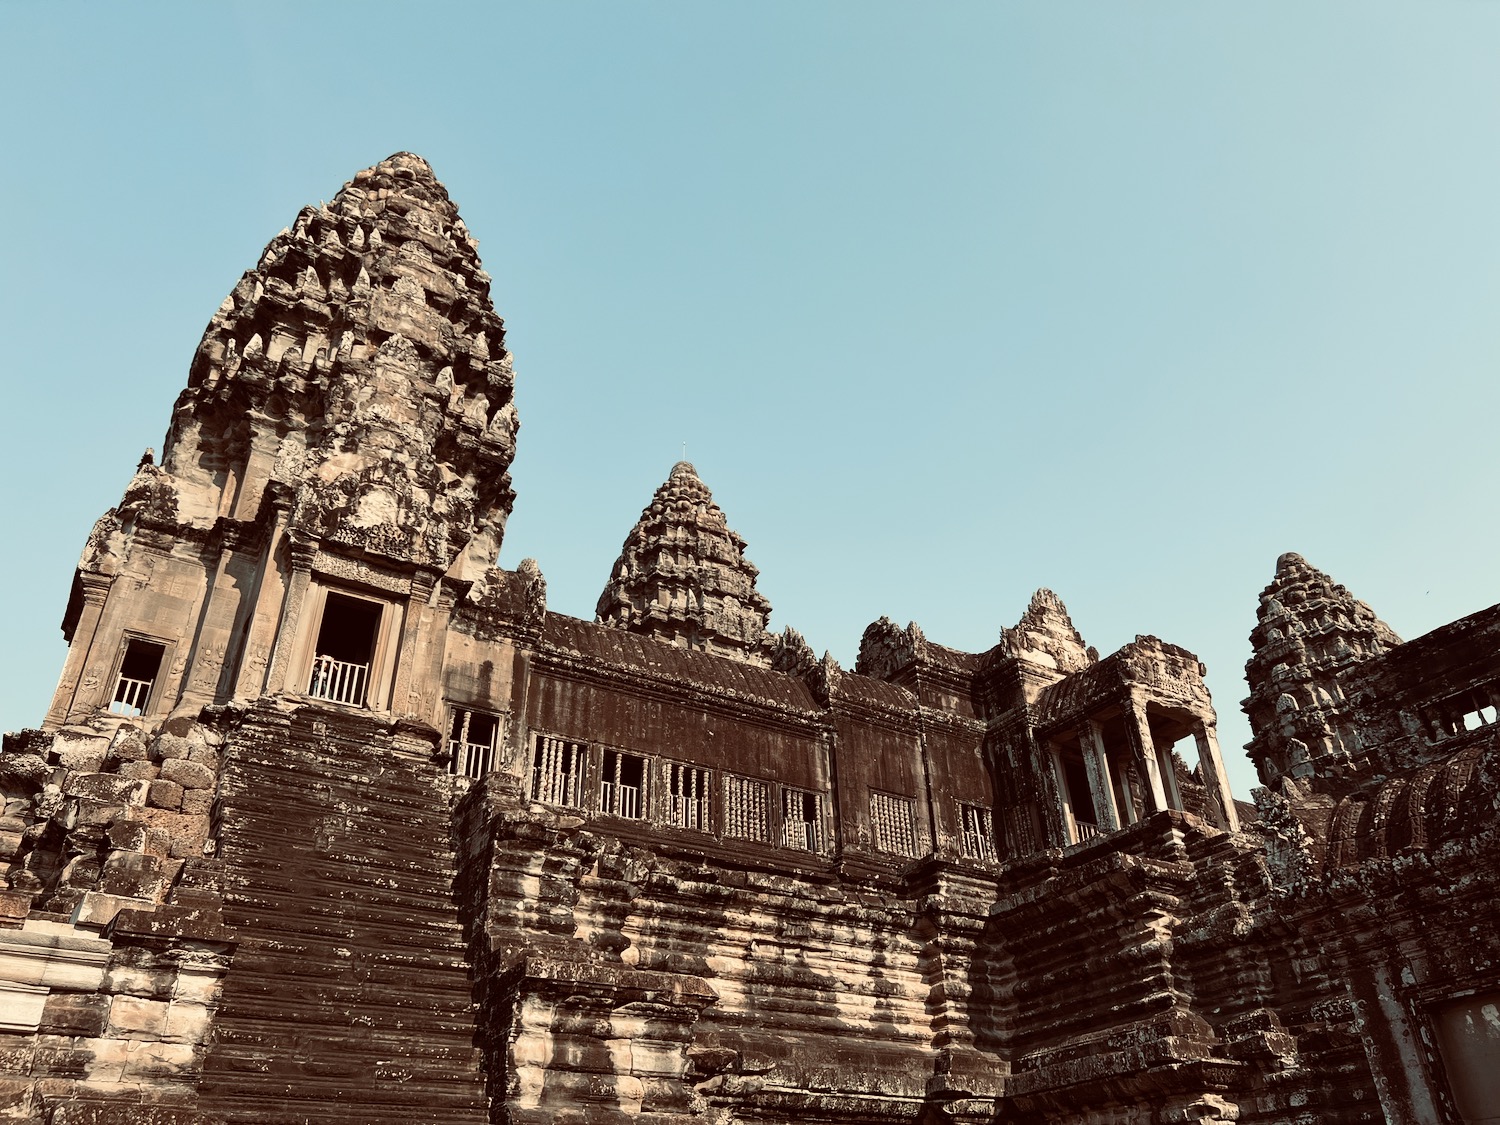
(75, 1013)
(163, 1062)
(127, 833)
(164, 794)
(138, 771)
(170, 746)
(16, 1097)
(106, 1058)
(97, 909)
(188, 774)
(108, 788)
(128, 745)
(199, 801)
(198, 986)
(132, 874)
(138, 972)
(187, 1022)
(14, 906)
(138, 1018)
(10, 843)
(57, 1056)
(80, 752)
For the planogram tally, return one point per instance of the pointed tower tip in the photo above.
(397, 166)
(683, 469)
(1046, 635)
(1046, 599)
(406, 162)
(1289, 561)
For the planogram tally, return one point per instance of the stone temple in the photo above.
(331, 820)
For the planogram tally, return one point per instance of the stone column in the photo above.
(254, 654)
(406, 698)
(1143, 750)
(1169, 777)
(211, 645)
(1101, 785)
(95, 590)
(1211, 764)
(1064, 800)
(301, 557)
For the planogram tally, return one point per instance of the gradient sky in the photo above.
(947, 302)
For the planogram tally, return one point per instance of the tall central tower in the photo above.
(344, 441)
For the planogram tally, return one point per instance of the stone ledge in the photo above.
(53, 960)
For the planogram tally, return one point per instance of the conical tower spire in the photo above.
(682, 576)
(1309, 629)
(360, 372)
(346, 433)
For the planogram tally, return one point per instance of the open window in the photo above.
(1077, 794)
(976, 832)
(622, 785)
(802, 819)
(139, 669)
(688, 797)
(472, 738)
(557, 771)
(345, 650)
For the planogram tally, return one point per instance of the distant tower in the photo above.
(344, 441)
(1310, 630)
(682, 576)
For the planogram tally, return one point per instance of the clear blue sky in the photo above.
(947, 301)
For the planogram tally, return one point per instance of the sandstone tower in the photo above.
(348, 415)
(332, 820)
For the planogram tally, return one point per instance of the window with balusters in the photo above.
(895, 822)
(747, 808)
(622, 785)
(802, 820)
(473, 737)
(558, 769)
(688, 802)
(976, 830)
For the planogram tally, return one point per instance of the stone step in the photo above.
(333, 930)
(338, 881)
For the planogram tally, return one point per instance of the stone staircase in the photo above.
(348, 999)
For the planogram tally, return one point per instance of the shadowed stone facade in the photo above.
(332, 820)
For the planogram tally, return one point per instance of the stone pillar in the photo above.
(260, 637)
(301, 557)
(1101, 785)
(1064, 800)
(95, 590)
(1143, 750)
(405, 700)
(1169, 777)
(211, 645)
(1211, 765)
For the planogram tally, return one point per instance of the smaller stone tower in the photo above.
(682, 576)
(1310, 630)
